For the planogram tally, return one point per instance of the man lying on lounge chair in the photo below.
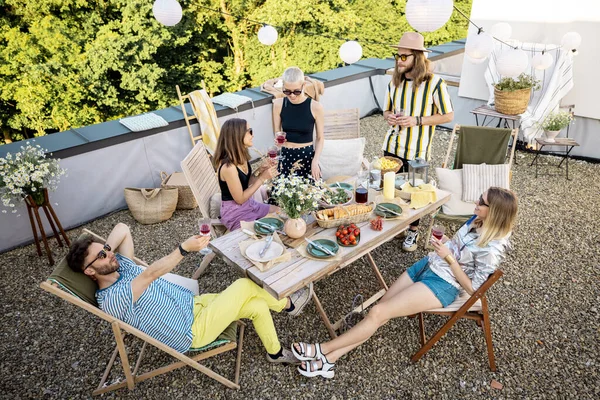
(169, 312)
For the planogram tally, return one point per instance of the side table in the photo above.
(568, 145)
(503, 119)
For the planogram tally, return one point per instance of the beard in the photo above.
(108, 269)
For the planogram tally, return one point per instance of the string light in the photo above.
(167, 12)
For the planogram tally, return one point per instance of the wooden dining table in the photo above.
(287, 277)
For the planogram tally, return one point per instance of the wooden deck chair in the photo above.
(473, 307)
(186, 117)
(342, 124)
(476, 145)
(78, 289)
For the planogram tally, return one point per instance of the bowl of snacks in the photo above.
(348, 235)
(388, 164)
(335, 197)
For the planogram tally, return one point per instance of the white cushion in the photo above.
(341, 157)
(450, 180)
(458, 303)
(215, 206)
(477, 178)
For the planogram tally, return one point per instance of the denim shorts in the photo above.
(420, 272)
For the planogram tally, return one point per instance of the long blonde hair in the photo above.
(421, 70)
(230, 147)
(501, 217)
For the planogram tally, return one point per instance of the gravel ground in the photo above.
(545, 319)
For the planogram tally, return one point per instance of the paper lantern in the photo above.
(167, 12)
(350, 52)
(479, 46)
(267, 35)
(571, 41)
(428, 15)
(475, 60)
(501, 31)
(512, 63)
(542, 61)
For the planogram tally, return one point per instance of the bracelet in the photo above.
(182, 251)
(450, 259)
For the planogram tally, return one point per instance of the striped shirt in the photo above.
(430, 98)
(164, 311)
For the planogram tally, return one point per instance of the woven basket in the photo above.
(186, 199)
(511, 103)
(150, 206)
(395, 170)
(349, 219)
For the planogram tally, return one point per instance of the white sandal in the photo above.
(303, 356)
(327, 369)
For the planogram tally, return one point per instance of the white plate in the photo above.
(274, 251)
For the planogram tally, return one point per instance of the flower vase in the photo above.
(295, 228)
(38, 197)
(550, 135)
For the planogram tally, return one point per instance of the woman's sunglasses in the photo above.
(249, 130)
(296, 92)
(402, 57)
(482, 202)
(101, 255)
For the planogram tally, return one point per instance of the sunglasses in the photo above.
(296, 92)
(101, 255)
(402, 57)
(482, 202)
(249, 130)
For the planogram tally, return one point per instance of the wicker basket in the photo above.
(511, 103)
(354, 219)
(150, 206)
(395, 170)
(186, 199)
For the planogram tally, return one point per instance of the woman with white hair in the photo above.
(298, 115)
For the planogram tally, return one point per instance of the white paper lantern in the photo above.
(475, 60)
(542, 61)
(350, 52)
(167, 12)
(428, 15)
(502, 31)
(267, 35)
(512, 63)
(479, 46)
(571, 41)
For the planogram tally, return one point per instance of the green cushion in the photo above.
(480, 144)
(228, 335)
(76, 283)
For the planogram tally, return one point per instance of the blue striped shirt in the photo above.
(164, 311)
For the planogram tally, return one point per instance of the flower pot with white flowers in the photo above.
(554, 123)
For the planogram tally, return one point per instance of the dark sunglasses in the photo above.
(296, 92)
(402, 57)
(482, 202)
(101, 255)
(249, 130)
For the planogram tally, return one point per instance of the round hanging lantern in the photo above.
(428, 15)
(512, 63)
(350, 52)
(479, 46)
(475, 60)
(267, 35)
(542, 61)
(167, 12)
(502, 31)
(571, 41)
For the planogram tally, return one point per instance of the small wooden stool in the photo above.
(33, 209)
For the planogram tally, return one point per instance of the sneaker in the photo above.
(410, 242)
(287, 357)
(300, 299)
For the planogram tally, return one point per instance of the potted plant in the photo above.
(27, 173)
(512, 94)
(554, 123)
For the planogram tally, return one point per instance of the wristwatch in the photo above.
(182, 251)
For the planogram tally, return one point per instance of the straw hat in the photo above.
(412, 41)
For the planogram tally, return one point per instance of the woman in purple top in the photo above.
(237, 183)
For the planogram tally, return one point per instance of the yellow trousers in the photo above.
(243, 299)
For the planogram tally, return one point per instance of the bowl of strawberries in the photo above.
(348, 235)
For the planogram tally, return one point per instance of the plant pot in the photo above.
(511, 103)
(550, 135)
(295, 228)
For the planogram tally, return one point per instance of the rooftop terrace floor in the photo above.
(544, 310)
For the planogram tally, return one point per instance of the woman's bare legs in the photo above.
(401, 283)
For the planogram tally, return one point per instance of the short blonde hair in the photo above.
(293, 75)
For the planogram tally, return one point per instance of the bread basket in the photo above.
(344, 216)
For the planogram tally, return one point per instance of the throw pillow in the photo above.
(451, 180)
(477, 178)
(341, 157)
(215, 206)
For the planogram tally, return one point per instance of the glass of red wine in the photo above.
(272, 152)
(204, 225)
(280, 138)
(361, 191)
(438, 232)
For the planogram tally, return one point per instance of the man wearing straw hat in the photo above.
(417, 100)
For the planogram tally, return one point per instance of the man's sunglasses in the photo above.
(296, 92)
(402, 57)
(482, 202)
(101, 255)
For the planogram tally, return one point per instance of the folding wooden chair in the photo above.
(186, 117)
(78, 289)
(342, 124)
(466, 154)
(473, 307)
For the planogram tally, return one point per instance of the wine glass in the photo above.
(204, 225)
(272, 152)
(280, 138)
(437, 231)
(398, 111)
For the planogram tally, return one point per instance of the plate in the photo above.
(399, 182)
(274, 222)
(326, 205)
(344, 185)
(274, 251)
(385, 214)
(326, 243)
(349, 245)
